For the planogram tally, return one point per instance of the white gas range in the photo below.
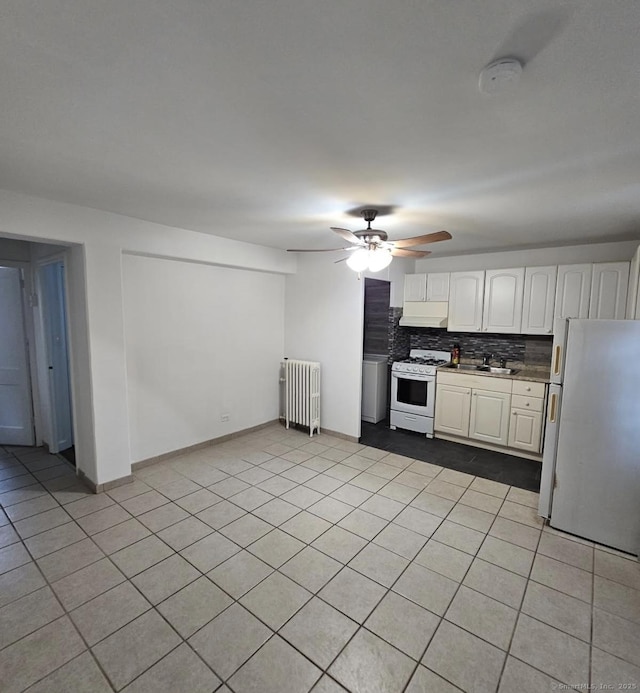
(413, 390)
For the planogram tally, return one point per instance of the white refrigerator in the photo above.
(590, 483)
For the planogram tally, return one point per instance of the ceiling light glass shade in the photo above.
(358, 261)
(379, 259)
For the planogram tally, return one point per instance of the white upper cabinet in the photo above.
(633, 298)
(426, 287)
(503, 300)
(609, 286)
(573, 291)
(466, 291)
(438, 286)
(539, 299)
(415, 287)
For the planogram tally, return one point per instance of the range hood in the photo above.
(425, 314)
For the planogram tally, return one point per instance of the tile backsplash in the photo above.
(530, 349)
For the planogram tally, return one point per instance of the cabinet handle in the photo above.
(556, 361)
(552, 413)
(526, 404)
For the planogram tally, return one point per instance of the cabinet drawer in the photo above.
(530, 403)
(528, 388)
(478, 382)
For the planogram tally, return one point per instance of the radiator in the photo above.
(302, 393)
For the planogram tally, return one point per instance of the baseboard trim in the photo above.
(149, 461)
(107, 486)
(141, 464)
(325, 431)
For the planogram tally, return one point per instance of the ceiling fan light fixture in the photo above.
(379, 259)
(372, 259)
(359, 260)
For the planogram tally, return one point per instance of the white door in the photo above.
(452, 410)
(539, 299)
(52, 291)
(573, 291)
(466, 290)
(490, 416)
(609, 286)
(503, 300)
(16, 411)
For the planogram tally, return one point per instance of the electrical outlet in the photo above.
(224, 417)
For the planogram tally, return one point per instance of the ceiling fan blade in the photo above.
(423, 240)
(317, 250)
(401, 252)
(347, 235)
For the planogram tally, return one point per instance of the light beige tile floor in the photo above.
(275, 563)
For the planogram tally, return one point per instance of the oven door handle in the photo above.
(413, 376)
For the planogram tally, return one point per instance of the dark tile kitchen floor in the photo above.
(496, 466)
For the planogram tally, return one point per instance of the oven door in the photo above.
(414, 394)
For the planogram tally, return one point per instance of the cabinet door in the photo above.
(539, 299)
(415, 287)
(525, 428)
(573, 291)
(452, 410)
(438, 286)
(466, 291)
(503, 300)
(633, 296)
(489, 419)
(609, 285)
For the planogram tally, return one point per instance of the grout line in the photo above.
(343, 565)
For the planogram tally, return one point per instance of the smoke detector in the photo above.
(500, 75)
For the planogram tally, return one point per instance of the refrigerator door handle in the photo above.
(557, 360)
(553, 408)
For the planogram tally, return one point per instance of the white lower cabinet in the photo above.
(494, 411)
(525, 429)
(489, 420)
(452, 410)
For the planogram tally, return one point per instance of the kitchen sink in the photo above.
(483, 369)
(496, 370)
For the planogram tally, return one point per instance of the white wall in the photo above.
(201, 341)
(565, 255)
(324, 314)
(98, 340)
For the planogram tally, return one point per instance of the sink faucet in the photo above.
(503, 362)
(486, 359)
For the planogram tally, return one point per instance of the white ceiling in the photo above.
(266, 121)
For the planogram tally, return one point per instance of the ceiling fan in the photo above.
(371, 248)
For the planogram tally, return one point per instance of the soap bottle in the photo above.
(455, 354)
